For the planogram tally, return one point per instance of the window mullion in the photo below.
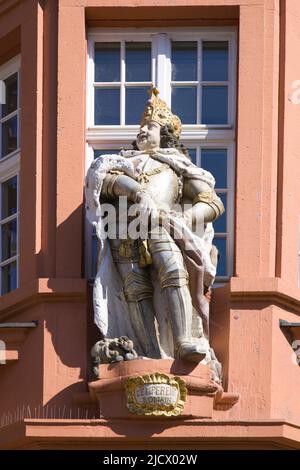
(9, 116)
(199, 87)
(10, 218)
(90, 82)
(162, 46)
(122, 88)
(0, 238)
(18, 229)
(198, 155)
(195, 135)
(9, 168)
(153, 61)
(231, 80)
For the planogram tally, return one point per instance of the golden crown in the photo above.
(157, 110)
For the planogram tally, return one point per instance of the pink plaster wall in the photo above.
(289, 178)
(53, 361)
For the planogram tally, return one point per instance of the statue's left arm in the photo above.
(207, 206)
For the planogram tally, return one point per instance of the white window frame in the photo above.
(195, 135)
(10, 164)
(229, 191)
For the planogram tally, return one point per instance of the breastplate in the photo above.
(160, 181)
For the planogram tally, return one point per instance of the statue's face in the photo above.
(148, 137)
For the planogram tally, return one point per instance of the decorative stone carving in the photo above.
(112, 350)
(156, 394)
(124, 390)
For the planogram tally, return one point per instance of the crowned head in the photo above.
(158, 111)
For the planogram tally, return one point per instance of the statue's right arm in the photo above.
(116, 185)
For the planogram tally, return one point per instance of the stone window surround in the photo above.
(194, 136)
(10, 164)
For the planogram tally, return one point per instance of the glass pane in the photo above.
(184, 61)
(9, 240)
(98, 152)
(220, 243)
(215, 61)
(184, 104)
(193, 155)
(9, 136)
(107, 106)
(215, 161)
(10, 98)
(107, 62)
(136, 98)
(9, 278)
(138, 61)
(214, 105)
(220, 224)
(9, 197)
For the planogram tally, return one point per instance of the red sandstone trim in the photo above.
(43, 290)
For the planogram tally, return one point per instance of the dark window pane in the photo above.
(220, 243)
(9, 278)
(215, 61)
(136, 98)
(98, 152)
(9, 136)
(184, 61)
(214, 105)
(107, 62)
(215, 161)
(10, 102)
(138, 61)
(184, 104)
(193, 155)
(107, 106)
(9, 197)
(220, 224)
(9, 240)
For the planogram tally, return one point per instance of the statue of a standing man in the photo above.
(153, 289)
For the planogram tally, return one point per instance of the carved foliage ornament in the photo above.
(156, 395)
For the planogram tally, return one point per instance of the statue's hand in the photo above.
(146, 205)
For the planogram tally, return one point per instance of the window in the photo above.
(194, 69)
(9, 174)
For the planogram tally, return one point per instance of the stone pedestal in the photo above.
(111, 389)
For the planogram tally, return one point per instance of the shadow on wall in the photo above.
(219, 327)
(65, 404)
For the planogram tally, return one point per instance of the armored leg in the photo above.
(138, 291)
(173, 277)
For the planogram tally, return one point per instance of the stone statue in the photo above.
(154, 288)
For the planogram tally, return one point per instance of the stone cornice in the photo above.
(43, 290)
(270, 290)
(98, 433)
(239, 290)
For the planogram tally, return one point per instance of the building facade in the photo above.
(74, 76)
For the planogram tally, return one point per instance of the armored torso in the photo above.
(159, 180)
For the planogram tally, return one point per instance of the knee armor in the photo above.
(137, 287)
